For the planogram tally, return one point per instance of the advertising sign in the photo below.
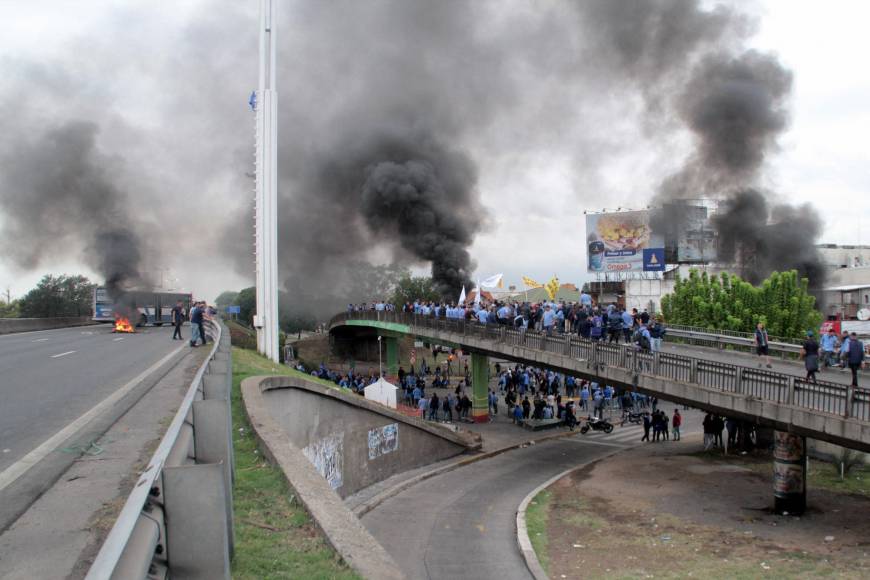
(616, 242)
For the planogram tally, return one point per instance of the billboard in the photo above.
(623, 242)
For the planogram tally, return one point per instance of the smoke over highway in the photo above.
(392, 116)
(56, 192)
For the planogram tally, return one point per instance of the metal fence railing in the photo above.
(178, 520)
(824, 396)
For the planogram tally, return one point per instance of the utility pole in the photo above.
(266, 318)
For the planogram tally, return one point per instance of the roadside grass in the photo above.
(820, 475)
(275, 536)
(537, 517)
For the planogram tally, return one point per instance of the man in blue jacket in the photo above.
(856, 357)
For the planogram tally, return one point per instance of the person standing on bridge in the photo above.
(762, 344)
(829, 347)
(177, 320)
(810, 352)
(856, 357)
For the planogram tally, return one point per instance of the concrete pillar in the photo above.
(479, 388)
(789, 473)
(391, 356)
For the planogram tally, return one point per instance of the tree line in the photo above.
(727, 302)
(53, 296)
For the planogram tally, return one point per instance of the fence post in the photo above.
(657, 361)
(789, 395)
(693, 371)
(594, 357)
(850, 395)
(738, 380)
(568, 345)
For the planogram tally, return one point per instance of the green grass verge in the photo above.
(537, 517)
(821, 474)
(275, 536)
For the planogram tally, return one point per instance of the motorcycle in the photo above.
(597, 424)
(632, 417)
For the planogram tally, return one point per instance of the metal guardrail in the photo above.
(735, 334)
(827, 397)
(723, 340)
(177, 521)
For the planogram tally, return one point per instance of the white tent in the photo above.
(382, 392)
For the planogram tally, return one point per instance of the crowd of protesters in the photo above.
(610, 323)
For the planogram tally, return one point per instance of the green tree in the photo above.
(59, 296)
(9, 309)
(410, 288)
(246, 300)
(727, 302)
(226, 298)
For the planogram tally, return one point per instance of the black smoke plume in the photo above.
(57, 192)
(760, 237)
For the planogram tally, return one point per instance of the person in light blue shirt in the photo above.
(380, 306)
(829, 347)
(481, 316)
(584, 397)
(549, 320)
(585, 299)
(844, 349)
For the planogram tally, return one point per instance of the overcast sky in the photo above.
(115, 56)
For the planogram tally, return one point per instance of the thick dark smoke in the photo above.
(761, 238)
(392, 116)
(410, 201)
(57, 192)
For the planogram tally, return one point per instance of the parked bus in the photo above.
(152, 307)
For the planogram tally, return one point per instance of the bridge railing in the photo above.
(177, 520)
(823, 396)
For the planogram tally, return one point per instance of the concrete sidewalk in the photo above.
(60, 534)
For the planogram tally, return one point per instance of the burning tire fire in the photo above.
(122, 324)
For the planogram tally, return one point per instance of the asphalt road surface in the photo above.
(48, 379)
(462, 524)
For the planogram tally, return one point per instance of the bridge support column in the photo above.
(789, 473)
(479, 388)
(391, 356)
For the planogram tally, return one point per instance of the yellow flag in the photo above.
(552, 287)
(531, 283)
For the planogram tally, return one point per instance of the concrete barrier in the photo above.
(11, 325)
(354, 442)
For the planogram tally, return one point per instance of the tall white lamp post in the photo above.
(266, 318)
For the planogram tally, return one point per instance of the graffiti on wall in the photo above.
(383, 440)
(326, 456)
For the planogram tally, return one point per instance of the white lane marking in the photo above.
(117, 339)
(39, 340)
(62, 354)
(17, 334)
(589, 442)
(20, 467)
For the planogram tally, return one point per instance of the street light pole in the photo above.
(266, 318)
(380, 363)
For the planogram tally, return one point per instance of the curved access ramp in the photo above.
(331, 443)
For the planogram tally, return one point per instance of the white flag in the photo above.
(493, 282)
(462, 296)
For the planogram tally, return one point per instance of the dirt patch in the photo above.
(668, 510)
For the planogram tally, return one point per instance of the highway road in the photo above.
(462, 524)
(48, 379)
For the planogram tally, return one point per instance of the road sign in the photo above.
(234, 309)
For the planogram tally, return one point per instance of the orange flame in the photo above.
(123, 325)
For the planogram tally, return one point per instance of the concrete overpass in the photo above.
(827, 411)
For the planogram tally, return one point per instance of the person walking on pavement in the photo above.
(646, 425)
(810, 352)
(676, 422)
(762, 344)
(177, 320)
(855, 357)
